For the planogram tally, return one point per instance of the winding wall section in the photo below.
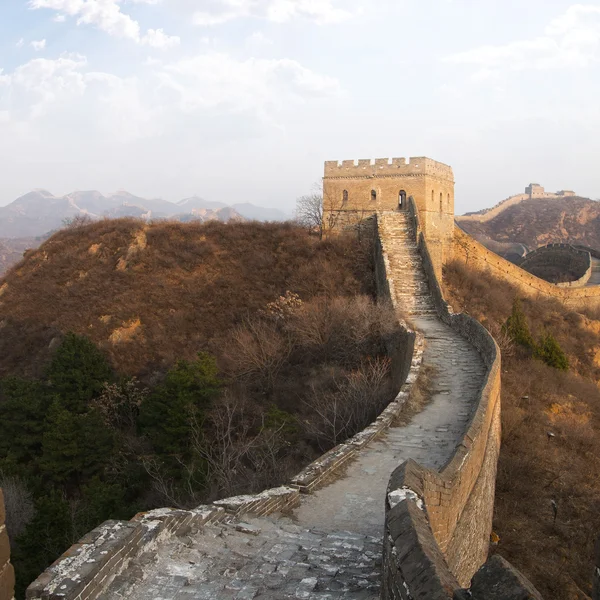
(422, 494)
(471, 252)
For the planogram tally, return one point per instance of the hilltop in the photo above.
(540, 221)
(148, 294)
(169, 364)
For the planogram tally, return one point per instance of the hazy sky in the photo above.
(240, 100)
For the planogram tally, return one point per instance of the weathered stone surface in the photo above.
(468, 250)
(7, 582)
(334, 546)
(499, 580)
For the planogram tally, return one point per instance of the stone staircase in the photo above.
(408, 282)
(262, 558)
(330, 547)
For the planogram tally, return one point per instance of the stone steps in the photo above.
(332, 549)
(261, 558)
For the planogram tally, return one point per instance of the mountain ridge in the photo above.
(540, 221)
(39, 211)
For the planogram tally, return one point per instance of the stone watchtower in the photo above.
(355, 190)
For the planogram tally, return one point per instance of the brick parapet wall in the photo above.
(7, 575)
(89, 566)
(564, 256)
(457, 502)
(492, 213)
(471, 252)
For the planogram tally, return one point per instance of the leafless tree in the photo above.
(257, 349)
(234, 456)
(355, 402)
(309, 213)
(119, 404)
(76, 221)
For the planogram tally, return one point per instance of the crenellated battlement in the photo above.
(366, 167)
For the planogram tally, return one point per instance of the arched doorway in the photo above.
(402, 204)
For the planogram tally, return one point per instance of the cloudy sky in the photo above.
(240, 100)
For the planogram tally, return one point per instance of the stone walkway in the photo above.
(595, 277)
(330, 547)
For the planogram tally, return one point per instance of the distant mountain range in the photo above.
(40, 212)
(30, 219)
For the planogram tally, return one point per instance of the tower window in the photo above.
(373, 195)
(345, 198)
(402, 200)
(441, 202)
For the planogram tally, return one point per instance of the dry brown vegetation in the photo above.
(299, 342)
(550, 457)
(148, 295)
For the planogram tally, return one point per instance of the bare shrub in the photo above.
(309, 213)
(257, 349)
(19, 506)
(119, 404)
(79, 220)
(239, 454)
(341, 327)
(352, 404)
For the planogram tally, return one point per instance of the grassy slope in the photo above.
(150, 294)
(536, 469)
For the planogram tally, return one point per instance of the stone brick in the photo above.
(4, 546)
(7, 582)
(499, 580)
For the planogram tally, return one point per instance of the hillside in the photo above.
(539, 222)
(550, 456)
(170, 364)
(149, 294)
(11, 251)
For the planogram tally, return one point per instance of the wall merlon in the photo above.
(366, 167)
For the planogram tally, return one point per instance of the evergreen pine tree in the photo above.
(186, 393)
(77, 372)
(517, 327)
(549, 351)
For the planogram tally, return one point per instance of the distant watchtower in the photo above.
(353, 190)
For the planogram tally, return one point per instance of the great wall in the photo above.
(532, 191)
(397, 512)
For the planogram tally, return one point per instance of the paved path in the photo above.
(595, 278)
(330, 547)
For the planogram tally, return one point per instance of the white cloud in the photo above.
(162, 98)
(258, 40)
(277, 11)
(59, 18)
(20, 43)
(34, 87)
(38, 45)
(107, 16)
(158, 39)
(571, 40)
